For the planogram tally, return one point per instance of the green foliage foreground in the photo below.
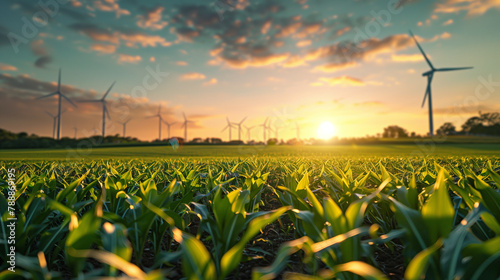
(202, 218)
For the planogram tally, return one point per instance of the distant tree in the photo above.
(395, 131)
(446, 129)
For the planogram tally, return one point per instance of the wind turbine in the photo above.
(185, 125)
(228, 126)
(124, 124)
(239, 127)
(76, 131)
(54, 118)
(430, 74)
(168, 126)
(298, 130)
(60, 96)
(248, 131)
(264, 128)
(160, 119)
(105, 111)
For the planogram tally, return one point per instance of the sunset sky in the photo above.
(295, 61)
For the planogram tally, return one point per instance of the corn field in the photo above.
(255, 218)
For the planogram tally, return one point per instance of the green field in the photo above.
(160, 152)
(253, 212)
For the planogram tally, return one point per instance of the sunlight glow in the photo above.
(326, 130)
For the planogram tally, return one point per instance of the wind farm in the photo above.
(239, 140)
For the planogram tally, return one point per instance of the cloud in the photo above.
(448, 22)
(7, 67)
(181, 63)
(335, 66)
(401, 3)
(342, 81)
(212, 81)
(407, 57)
(369, 104)
(125, 58)
(152, 19)
(130, 38)
(110, 6)
(473, 7)
(103, 48)
(41, 62)
(193, 76)
(38, 48)
(303, 43)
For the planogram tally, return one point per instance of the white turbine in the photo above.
(239, 127)
(248, 131)
(124, 124)
(228, 126)
(105, 111)
(185, 125)
(168, 127)
(160, 119)
(60, 96)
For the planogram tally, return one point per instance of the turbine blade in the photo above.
(453, 69)
(106, 110)
(48, 95)
(224, 128)
(59, 81)
(429, 80)
(159, 110)
(243, 120)
(50, 114)
(184, 114)
(67, 99)
(109, 89)
(422, 51)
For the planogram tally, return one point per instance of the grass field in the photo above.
(159, 152)
(253, 212)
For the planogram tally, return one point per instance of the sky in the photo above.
(297, 62)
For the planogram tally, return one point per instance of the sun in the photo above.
(326, 130)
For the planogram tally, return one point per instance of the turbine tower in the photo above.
(298, 130)
(228, 126)
(239, 127)
(160, 119)
(60, 96)
(168, 127)
(430, 74)
(105, 111)
(124, 124)
(76, 131)
(54, 118)
(248, 131)
(185, 125)
(264, 128)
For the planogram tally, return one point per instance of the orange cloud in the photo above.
(473, 7)
(265, 28)
(181, 63)
(343, 81)
(110, 6)
(333, 67)
(193, 76)
(255, 61)
(407, 57)
(152, 19)
(448, 22)
(125, 58)
(103, 49)
(212, 81)
(7, 67)
(303, 43)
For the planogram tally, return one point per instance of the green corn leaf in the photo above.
(417, 268)
(197, 263)
(438, 212)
